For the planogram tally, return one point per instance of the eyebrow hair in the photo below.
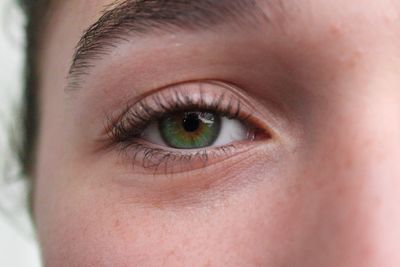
(138, 17)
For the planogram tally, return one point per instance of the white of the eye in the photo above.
(152, 134)
(231, 130)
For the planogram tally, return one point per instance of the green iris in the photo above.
(190, 130)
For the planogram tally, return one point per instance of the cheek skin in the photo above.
(93, 226)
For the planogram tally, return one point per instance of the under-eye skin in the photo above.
(185, 127)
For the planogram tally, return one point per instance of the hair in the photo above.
(35, 11)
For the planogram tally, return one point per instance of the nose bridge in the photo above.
(359, 204)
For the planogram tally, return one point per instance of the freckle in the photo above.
(348, 163)
(335, 30)
(117, 223)
(355, 58)
(171, 253)
(206, 187)
(157, 204)
(207, 264)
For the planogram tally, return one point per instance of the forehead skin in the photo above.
(330, 198)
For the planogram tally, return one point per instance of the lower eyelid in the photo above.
(155, 160)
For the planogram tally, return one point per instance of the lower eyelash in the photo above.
(161, 160)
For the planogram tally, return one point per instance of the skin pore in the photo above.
(313, 181)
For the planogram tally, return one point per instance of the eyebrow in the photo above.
(131, 18)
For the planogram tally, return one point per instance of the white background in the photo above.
(17, 244)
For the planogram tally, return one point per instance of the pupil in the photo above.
(191, 122)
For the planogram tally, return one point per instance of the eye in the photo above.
(195, 130)
(187, 126)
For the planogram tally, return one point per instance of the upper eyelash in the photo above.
(132, 122)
